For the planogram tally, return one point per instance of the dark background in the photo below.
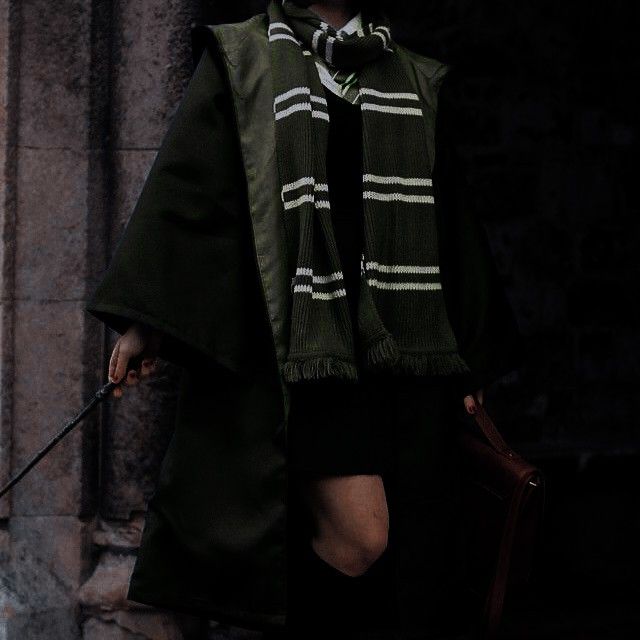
(552, 143)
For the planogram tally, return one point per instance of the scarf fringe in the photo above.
(385, 354)
(322, 367)
(382, 353)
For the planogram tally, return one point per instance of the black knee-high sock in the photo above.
(323, 598)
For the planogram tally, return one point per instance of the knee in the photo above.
(353, 555)
(368, 549)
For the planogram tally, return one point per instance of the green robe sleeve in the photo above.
(184, 264)
(483, 321)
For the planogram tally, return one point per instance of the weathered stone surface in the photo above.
(152, 625)
(53, 547)
(51, 224)
(58, 127)
(147, 624)
(48, 392)
(106, 589)
(96, 629)
(151, 66)
(37, 583)
(6, 401)
(131, 169)
(55, 70)
(119, 535)
(5, 25)
(58, 622)
(8, 119)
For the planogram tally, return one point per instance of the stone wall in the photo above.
(87, 90)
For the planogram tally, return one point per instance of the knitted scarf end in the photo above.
(385, 354)
(382, 353)
(315, 368)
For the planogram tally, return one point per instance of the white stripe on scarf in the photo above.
(336, 276)
(300, 106)
(319, 295)
(396, 197)
(404, 111)
(308, 271)
(402, 268)
(390, 95)
(417, 182)
(405, 286)
(308, 197)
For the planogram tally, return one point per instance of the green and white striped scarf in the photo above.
(402, 321)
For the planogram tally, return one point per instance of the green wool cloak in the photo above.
(203, 259)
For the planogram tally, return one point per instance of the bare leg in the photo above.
(351, 520)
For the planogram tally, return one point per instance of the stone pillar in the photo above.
(87, 91)
(150, 65)
(48, 183)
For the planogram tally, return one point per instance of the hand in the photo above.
(138, 341)
(470, 402)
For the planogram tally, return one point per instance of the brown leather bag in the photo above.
(502, 509)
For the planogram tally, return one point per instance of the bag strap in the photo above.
(496, 595)
(491, 433)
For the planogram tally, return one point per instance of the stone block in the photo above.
(4, 66)
(96, 629)
(154, 624)
(58, 622)
(46, 551)
(51, 224)
(106, 589)
(39, 577)
(131, 170)
(48, 391)
(6, 400)
(55, 59)
(118, 535)
(5, 543)
(152, 63)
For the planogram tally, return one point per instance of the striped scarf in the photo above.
(402, 321)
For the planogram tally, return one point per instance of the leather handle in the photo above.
(491, 433)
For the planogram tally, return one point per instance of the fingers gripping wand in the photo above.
(140, 343)
(98, 397)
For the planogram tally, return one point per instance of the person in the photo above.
(389, 327)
